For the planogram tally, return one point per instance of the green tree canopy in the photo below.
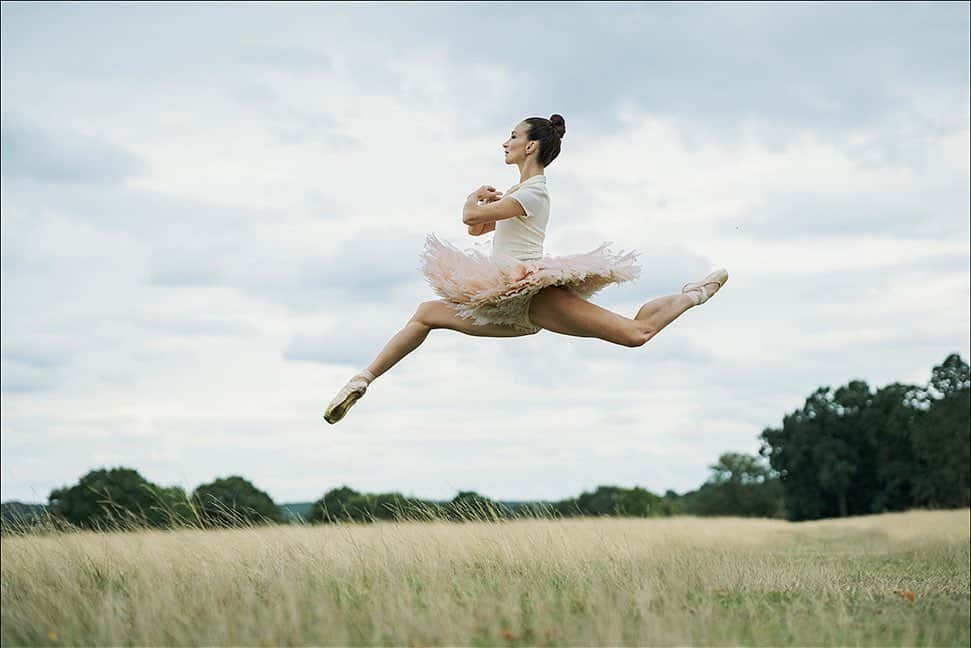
(234, 501)
(118, 498)
(615, 500)
(739, 484)
(345, 503)
(852, 451)
(469, 505)
(341, 503)
(942, 444)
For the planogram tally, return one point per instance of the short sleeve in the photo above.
(534, 199)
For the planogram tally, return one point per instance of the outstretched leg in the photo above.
(432, 315)
(658, 313)
(429, 315)
(558, 309)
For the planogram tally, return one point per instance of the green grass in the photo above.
(676, 581)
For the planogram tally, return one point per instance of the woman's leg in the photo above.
(432, 315)
(658, 313)
(554, 308)
(557, 309)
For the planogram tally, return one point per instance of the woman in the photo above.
(517, 290)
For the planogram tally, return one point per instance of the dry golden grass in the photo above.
(898, 579)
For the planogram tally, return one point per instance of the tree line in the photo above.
(848, 451)
(853, 451)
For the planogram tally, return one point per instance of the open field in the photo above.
(896, 579)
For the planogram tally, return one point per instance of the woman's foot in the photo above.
(347, 396)
(702, 291)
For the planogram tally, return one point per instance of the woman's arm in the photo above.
(486, 205)
(484, 228)
(485, 194)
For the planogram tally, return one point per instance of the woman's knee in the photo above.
(425, 313)
(639, 337)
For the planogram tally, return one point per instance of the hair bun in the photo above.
(559, 125)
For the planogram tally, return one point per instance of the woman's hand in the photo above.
(483, 195)
(486, 193)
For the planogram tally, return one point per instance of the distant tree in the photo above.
(638, 502)
(821, 454)
(234, 501)
(789, 450)
(469, 505)
(176, 507)
(825, 455)
(605, 500)
(951, 377)
(844, 454)
(741, 485)
(891, 421)
(615, 500)
(672, 504)
(395, 506)
(851, 451)
(336, 504)
(942, 442)
(118, 498)
(568, 507)
(347, 504)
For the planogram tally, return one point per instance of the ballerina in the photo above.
(518, 290)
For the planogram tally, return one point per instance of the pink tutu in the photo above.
(498, 290)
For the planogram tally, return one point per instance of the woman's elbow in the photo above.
(472, 219)
(479, 230)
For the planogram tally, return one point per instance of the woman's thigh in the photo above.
(557, 309)
(437, 315)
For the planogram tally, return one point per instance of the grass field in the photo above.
(896, 579)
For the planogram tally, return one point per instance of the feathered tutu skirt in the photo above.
(497, 289)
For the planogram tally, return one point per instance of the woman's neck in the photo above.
(529, 170)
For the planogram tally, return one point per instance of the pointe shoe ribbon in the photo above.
(718, 277)
(347, 396)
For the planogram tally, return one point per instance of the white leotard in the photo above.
(522, 236)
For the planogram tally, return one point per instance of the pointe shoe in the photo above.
(347, 396)
(698, 290)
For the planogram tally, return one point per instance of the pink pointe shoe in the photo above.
(347, 396)
(699, 290)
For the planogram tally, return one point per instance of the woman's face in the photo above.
(515, 146)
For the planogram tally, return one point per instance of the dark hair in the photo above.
(548, 132)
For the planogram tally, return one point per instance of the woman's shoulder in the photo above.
(536, 187)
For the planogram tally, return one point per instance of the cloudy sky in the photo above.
(212, 214)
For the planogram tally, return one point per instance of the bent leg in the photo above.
(432, 315)
(558, 309)
(658, 313)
